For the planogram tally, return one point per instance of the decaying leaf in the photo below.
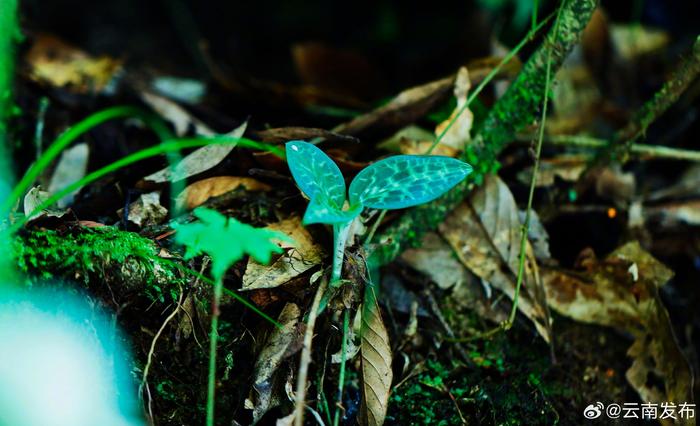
(376, 362)
(284, 134)
(461, 119)
(60, 64)
(199, 192)
(281, 344)
(304, 255)
(436, 259)
(178, 116)
(485, 234)
(146, 210)
(36, 197)
(70, 168)
(403, 109)
(622, 291)
(198, 161)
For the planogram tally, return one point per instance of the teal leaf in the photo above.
(316, 174)
(406, 180)
(226, 240)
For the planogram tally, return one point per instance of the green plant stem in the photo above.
(341, 375)
(514, 111)
(525, 229)
(228, 292)
(213, 341)
(74, 132)
(340, 237)
(622, 142)
(490, 76)
(165, 147)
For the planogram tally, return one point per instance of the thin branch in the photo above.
(514, 111)
(652, 151)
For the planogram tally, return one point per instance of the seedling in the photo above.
(393, 183)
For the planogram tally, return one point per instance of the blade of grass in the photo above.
(163, 148)
(74, 132)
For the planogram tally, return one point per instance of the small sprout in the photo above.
(393, 183)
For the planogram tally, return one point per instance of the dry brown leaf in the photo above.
(199, 192)
(405, 108)
(60, 64)
(485, 234)
(36, 197)
(146, 210)
(565, 167)
(417, 101)
(281, 344)
(459, 132)
(297, 259)
(198, 161)
(376, 362)
(436, 259)
(284, 134)
(622, 291)
(178, 116)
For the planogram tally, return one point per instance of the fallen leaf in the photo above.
(293, 262)
(285, 134)
(36, 197)
(198, 161)
(458, 134)
(622, 291)
(197, 193)
(57, 63)
(146, 210)
(70, 168)
(633, 41)
(281, 344)
(485, 234)
(415, 102)
(436, 259)
(565, 167)
(405, 108)
(178, 116)
(376, 362)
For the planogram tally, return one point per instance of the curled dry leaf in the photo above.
(178, 116)
(199, 192)
(198, 161)
(281, 344)
(622, 291)
(485, 234)
(285, 134)
(458, 133)
(146, 210)
(304, 255)
(36, 197)
(376, 362)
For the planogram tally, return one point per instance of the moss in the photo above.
(95, 256)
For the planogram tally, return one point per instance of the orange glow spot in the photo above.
(612, 212)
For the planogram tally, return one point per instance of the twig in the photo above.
(151, 351)
(622, 142)
(306, 355)
(514, 111)
(653, 151)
